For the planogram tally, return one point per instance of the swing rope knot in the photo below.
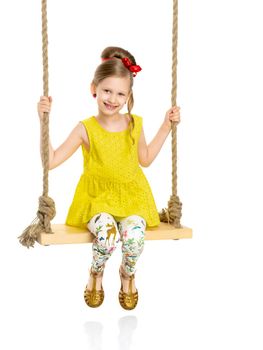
(46, 212)
(173, 214)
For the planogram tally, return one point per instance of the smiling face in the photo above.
(112, 94)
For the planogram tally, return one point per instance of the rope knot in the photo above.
(46, 212)
(173, 213)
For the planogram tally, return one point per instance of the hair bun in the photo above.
(116, 52)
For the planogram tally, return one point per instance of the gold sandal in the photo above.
(94, 298)
(127, 300)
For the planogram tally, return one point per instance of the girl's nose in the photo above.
(112, 99)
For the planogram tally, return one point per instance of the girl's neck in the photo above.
(108, 119)
(115, 124)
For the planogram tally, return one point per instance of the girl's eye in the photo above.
(121, 94)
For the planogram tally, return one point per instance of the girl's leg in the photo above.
(132, 231)
(104, 227)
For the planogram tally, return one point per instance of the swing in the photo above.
(45, 233)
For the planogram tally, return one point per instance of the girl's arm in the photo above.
(66, 149)
(147, 154)
(70, 145)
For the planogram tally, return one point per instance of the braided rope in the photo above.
(174, 212)
(46, 211)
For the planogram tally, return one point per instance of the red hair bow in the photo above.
(134, 68)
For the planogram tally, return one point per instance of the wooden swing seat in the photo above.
(65, 234)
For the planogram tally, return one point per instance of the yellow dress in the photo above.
(112, 180)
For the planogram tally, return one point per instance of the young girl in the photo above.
(113, 198)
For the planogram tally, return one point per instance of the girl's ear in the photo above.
(92, 88)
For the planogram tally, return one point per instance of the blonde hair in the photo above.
(116, 68)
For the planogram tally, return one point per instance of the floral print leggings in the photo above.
(108, 232)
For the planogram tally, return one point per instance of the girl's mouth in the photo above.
(110, 107)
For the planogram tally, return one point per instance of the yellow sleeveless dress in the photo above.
(112, 180)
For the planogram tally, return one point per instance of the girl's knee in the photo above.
(134, 220)
(132, 227)
(100, 219)
(104, 227)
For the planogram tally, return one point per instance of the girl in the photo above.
(113, 198)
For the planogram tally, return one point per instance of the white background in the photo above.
(202, 293)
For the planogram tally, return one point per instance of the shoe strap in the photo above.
(95, 275)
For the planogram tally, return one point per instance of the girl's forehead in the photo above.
(116, 82)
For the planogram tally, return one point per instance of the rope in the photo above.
(174, 212)
(46, 211)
